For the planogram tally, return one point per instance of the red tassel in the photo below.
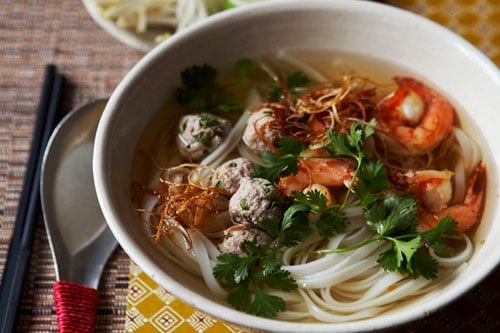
(76, 306)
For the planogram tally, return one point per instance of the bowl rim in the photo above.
(222, 311)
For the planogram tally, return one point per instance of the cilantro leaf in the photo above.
(293, 81)
(240, 298)
(293, 215)
(372, 178)
(356, 137)
(276, 166)
(395, 213)
(198, 76)
(423, 265)
(328, 220)
(201, 93)
(229, 106)
(233, 269)
(271, 227)
(314, 199)
(295, 226)
(253, 250)
(405, 251)
(245, 67)
(281, 280)
(331, 222)
(297, 80)
(388, 259)
(266, 305)
(247, 274)
(339, 145)
(270, 265)
(290, 145)
(436, 237)
(350, 145)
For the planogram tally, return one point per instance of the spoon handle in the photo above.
(76, 306)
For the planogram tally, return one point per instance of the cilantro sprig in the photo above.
(293, 81)
(328, 219)
(370, 177)
(200, 91)
(261, 269)
(277, 166)
(394, 220)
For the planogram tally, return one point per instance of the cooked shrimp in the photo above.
(323, 171)
(416, 116)
(432, 187)
(467, 213)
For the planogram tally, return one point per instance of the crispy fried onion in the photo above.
(334, 107)
(186, 197)
(308, 117)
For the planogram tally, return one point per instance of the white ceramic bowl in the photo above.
(441, 58)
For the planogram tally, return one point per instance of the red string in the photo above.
(75, 307)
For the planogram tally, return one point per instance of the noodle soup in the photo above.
(342, 187)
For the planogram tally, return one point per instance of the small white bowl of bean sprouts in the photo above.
(299, 166)
(143, 24)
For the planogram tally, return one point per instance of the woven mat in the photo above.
(33, 33)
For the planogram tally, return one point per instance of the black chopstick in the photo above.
(29, 207)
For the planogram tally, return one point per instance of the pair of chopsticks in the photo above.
(29, 203)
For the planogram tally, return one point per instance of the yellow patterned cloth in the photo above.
(478, 21)
(153, 309)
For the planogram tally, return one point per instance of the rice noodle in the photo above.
(470, 150)
(458, 258)
(206, 265)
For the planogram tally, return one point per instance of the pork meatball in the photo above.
(262, 132)
(255, 200)
(231, 173)
(235, 237)
(201, 134)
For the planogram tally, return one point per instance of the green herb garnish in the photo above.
(277, 166)
(245, 68)
(201, 93)
(293, 81)
(260, 268)
(244, 204)
(392, 217)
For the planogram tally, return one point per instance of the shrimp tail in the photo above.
(468, 213)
